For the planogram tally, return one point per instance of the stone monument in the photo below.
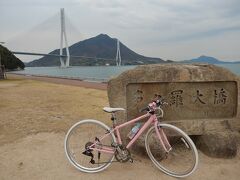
(203, 101)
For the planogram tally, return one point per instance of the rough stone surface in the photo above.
(187, 100)
(207, 95)
(220, 145)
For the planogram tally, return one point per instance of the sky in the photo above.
(168, 29)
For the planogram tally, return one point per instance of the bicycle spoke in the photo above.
(181, 160)
(80, 137)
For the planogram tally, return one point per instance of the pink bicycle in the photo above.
(91, 146)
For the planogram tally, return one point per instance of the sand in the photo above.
(66, 81)
(34, 118)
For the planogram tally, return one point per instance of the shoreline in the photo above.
(62, 80)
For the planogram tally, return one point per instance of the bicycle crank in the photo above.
(123, 155)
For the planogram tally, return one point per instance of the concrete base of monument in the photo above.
(219, 145)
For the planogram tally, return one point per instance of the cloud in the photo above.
(140, 24)
(171, 20)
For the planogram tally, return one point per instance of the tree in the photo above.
(9, 60)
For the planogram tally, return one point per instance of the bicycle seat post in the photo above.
(113, 118)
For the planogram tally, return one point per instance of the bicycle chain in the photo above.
(119, 159)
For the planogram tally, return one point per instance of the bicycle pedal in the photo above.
(131, 160)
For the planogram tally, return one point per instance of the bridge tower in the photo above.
(118, 55)
(63, 34)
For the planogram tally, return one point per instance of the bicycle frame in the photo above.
(152, 120)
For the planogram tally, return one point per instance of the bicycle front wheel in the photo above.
(82, 135)
(181, 160)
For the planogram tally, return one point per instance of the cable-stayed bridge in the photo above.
(63, 58)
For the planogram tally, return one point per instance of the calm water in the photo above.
(95, 73)
(89, 73)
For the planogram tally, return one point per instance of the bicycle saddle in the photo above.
(112, 110)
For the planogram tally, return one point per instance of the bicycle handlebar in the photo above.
(144, 109)
(154, 105)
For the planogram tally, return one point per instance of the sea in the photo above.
(94, 73)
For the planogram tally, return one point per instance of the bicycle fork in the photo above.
(162, 137)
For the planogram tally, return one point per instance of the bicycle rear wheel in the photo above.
(181, 160)
(80, 136)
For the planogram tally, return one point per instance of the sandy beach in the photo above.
(35, 114)
(58, 80)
